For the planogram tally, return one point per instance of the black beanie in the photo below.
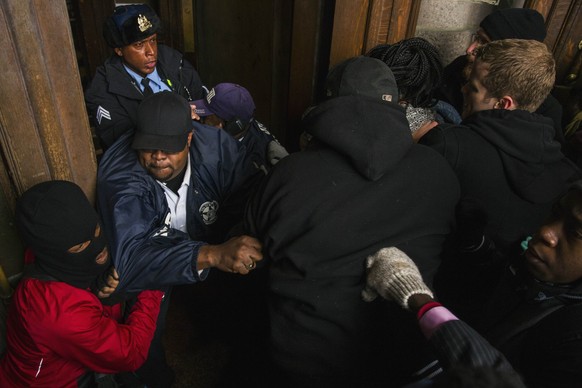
(129, 24)
(515, 23)
(54, 216)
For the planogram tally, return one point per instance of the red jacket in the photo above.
(56, 333)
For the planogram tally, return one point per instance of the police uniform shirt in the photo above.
(155, 83)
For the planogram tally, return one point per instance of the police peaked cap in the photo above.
(129, 24)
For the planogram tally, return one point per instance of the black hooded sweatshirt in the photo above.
(508, 163)
(320, 213)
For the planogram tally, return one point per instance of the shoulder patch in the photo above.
(102, 113)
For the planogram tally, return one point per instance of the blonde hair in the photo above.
(522, 69)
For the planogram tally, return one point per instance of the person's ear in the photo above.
(506, 102)
(189, 139)
(118, 51)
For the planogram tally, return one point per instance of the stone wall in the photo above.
(448, 24)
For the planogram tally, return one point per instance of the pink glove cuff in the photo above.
(433, 318)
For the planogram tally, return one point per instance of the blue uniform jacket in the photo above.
(147, 253)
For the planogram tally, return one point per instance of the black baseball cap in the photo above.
(362, 76)
(164, 121)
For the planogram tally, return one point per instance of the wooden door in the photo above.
(327, 32)
(44, 130)
(564, 38)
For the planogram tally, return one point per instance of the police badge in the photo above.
(143, 23)
(208, 210)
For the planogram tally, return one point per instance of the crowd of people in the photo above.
(452, 193)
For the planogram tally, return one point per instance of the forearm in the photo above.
(416, 301)
(207, 256)
(238, 254)
(454, 341)
(158, 263)
(84, 333)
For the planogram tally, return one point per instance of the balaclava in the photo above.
(54, 216)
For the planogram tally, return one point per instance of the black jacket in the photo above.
(453, 81)
(537, 326)
(146, 252)
(509, 164)
(112, 97)
(320, 213)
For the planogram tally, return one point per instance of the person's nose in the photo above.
(159, 155)
(549, 234)
(472, 47)
(149, 49)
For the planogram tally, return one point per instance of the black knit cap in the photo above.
(164, 121)
(515, 23)
(129, 24)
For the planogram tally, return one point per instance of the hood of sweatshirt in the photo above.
(373, 135)
(533, 162)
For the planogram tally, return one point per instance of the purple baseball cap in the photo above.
(227, 101)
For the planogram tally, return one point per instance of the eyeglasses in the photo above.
(475, 37)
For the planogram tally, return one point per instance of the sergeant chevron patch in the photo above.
(102, 113)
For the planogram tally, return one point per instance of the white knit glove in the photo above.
(393, 275)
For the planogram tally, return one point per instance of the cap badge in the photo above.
(143, 23)
(210, 95)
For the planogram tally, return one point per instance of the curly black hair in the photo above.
(416, 65)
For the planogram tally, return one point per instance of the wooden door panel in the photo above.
(43, 122)
(347, 42)
(564, 33)
(361, 25)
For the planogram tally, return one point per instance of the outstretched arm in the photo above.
(394, 276)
